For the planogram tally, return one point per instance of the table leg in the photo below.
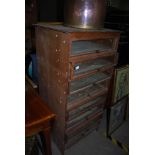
(47, 141)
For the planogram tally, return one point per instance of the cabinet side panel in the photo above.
(52, 54)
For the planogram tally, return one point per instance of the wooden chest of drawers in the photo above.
(75, 69)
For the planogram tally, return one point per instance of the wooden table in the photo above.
(38, 118)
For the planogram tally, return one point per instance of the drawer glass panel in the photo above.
(73, 98)
(92, 124)
(88, 81)
(78, 96)
(86, 107)
(91, 65)
(97, 115)
(85, 46)
(83, 117)
(80, 135)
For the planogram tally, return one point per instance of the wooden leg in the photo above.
(47, 141)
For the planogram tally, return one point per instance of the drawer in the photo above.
(85, 96)
(84, 123)
(97, 102)
(80, 47)
(80, 68)
(83, 117)
(72, 139)
(92, 124)
(87, 82)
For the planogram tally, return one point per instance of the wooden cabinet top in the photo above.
(66, 29)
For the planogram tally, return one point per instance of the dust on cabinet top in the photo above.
(67, 29)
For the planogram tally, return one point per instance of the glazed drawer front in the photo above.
(80, 47)
(85, 96)
(81, 84)
(75, 137)
(78, 111)
(80, 68)
(92, 124)
(83, 117)
(84, 123)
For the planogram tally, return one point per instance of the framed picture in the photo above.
(117, 114)
(121, 83)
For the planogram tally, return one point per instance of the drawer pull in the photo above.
(76, 67)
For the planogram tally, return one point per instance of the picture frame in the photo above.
(121, 83)
(117, 114)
